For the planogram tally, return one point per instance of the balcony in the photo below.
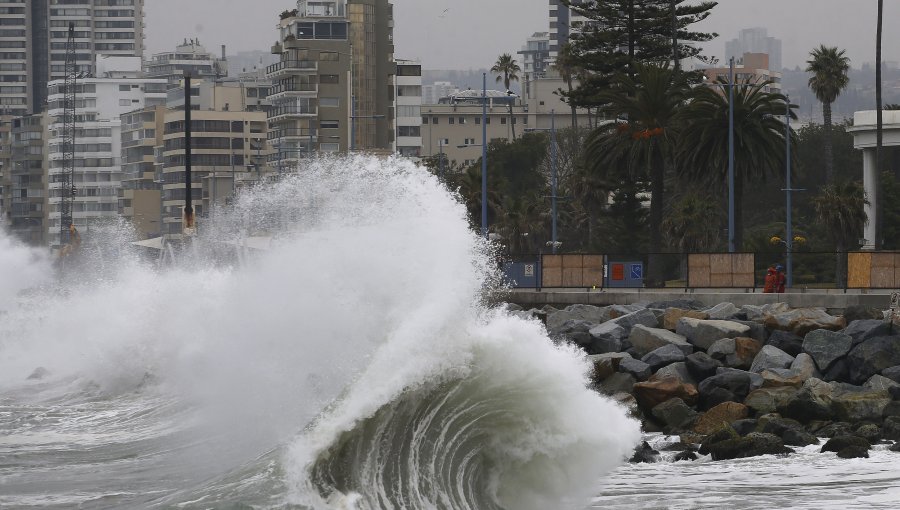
(289, 66)
(293, 89)
(291, 133)
(276, 114)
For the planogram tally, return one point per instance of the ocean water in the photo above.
(354, 364)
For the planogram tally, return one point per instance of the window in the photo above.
(409, 70)
(409, 131)
(502, 120)
(477, 121)
(408, 111)
(451, 120)
(329, 79)
(329, 56)
(329, 124)
(329, 147)
(329, 102)
(124, 102)
(424, 120)
(409, 90)
(434, 120)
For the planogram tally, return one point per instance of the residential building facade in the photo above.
(563, 21)
(188, 56)
(752, 67)
(408, 109)
(139, 197)
(432, 94)
(535, 58)
(755, 40)
(28, 178)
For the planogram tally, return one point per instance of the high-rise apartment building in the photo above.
(98, 134)
(331, 90)
(535, 57)
(28, 178)
(33, 36)
(408, 108)
(188, 56)
(563, 21)
(755, 40)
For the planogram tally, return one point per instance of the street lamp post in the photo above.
(441, 156)
(484, 215)
(731, 244)
(789, 259)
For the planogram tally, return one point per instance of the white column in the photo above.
(870, 182)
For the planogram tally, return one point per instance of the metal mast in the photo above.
(67, 177)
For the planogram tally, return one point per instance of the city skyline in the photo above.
(504, 25)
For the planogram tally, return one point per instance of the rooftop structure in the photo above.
(188, 56)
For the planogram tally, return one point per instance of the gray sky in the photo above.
(473, 32)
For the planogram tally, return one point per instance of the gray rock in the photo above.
(859, 312)
(587, 313)
(812, 402)
(756, 380)
(665, 355)
(701, 365)
(839, 443)
(745, 426)
(881, 383)
(575, 331)
(769, 400)
(861, 330)
(722, 311)
(892, 373)
(684, 304)
(721, 349)
(891, 428)
(618, 383)
(645, 339)
(616, 311)
(675, 414)
(640, 370)
(732, 386)
(892, 409)
(826, 347)
(703, 333)
(786, 341)
(678, 370)
(757, 331)
(771, 357)
(805, 366)
(872, 356)
(855, 404)
(798, 437)
(758, 313)
(606, 337)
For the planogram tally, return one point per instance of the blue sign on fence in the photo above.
(637, 271)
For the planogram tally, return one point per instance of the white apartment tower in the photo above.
(98, 139)
(563, 21)
(33, 36)
(408, 108)
(188, 56)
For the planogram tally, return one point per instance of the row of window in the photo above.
(462, 120)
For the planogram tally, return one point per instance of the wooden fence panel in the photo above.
(859, 270)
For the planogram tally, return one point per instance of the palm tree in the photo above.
(693, 221)
(758, 138)
(468, 185)
(841, 210)
(829, 77)
(879, 131)
(507, 71)
(643, 146)
(523, 222)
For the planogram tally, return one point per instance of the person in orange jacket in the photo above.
(771, 282)
(780, 279)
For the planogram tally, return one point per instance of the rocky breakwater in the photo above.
(743, 381)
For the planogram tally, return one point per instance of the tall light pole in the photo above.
(441, 156)
(553, 177)
(731, 247)
(484, 212)
(789, 244)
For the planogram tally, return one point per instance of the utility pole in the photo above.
(187, 228)
(484, 215)
(731, 243)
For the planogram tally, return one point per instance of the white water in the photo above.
(212, 383)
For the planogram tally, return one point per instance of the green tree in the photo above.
(644, 145)
(507, 70)
(829, 69)
(693, 222)
(841, 209)
(567, 66)
(759, 145)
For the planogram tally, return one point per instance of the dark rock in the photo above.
(652, 393)
(703, 333)
(724, 387)
(895, 447)
(834, 430)
(675, 414)
(722, 414)
(756, 380)
(868, 431)
(757, 331)
(771, 357)
(861, 330)
(778, 425)
(838, 371)
(644, 453)
(745, 426)
(838, 443)
(798, 437)
(721, 349)
(752, 445)
(894, 393)
(677, 370)
(872, 356)
(768, 400)
(826, 346)
(892, 373)
(684, 304)
(618, 383)
(606, 337)
(855, 313)
(811, 402)
(616, 311)
(679, 446)
(701, 365)
(637, 368)
(686, 456)
(650, 427)
(891, 428)
(579, 313)
(665, 355)
(38, 374)
(602, 368)
(855, 404)
(644, 317)
(892, 409)
(725, 433)
(853, 452)
(646, 340)
(786, 341)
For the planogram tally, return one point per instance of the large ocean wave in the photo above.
(352, 364)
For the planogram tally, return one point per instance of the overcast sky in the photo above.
(471, 33)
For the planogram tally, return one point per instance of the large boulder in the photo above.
(861, 330)
(880, 383)
(673, 315)
(587, 313)
(770, 357)
(724, 413)
(675, 414)
(860, 313)
(839, 443)
(812, 402)
(644, 453)
(892, 373)
(759, 312)
(575, 331)
(786, 341)
(722, 311)
(752, 445)
(727, 386)
(855, 404)
(665, 355)
(769, 400)
(826, 347)
(607, 337)
(652, 393)
(645, 340)
(677, 370)
(616, 311)
(872, 356)
(802, 368)
(637, 368)
(721, 349)
(703, 333)
(701, 365)
(803, 320)
(891, 428)
(618, 383)
(602, 368)
(735, 352)
(642, 316)
(757, 331)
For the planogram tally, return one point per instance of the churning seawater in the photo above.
(352, 364)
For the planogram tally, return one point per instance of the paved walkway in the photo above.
(796, 298)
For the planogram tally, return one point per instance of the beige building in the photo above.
(332, 89)
(753, 67)
(140, 195)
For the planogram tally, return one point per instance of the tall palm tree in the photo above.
(829, 77)
(841, 210)
(643, 146)
(758, 138)
(523, 221)
(507, 70)
(468, 185)
(879, 131)
(693, 221)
